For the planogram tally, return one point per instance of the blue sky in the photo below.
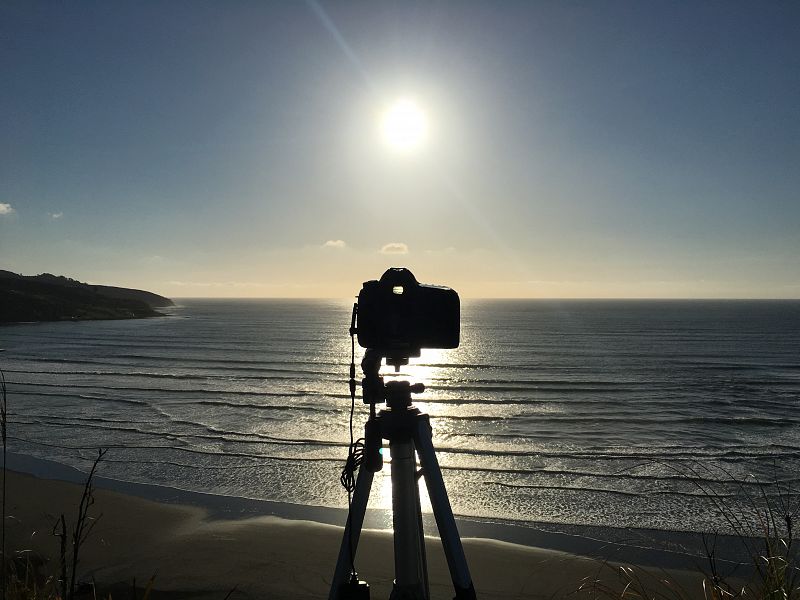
(589, 149)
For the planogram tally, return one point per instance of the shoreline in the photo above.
(195, 554)
(645, 547)
(156, 315)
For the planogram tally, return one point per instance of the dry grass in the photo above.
(763, 523)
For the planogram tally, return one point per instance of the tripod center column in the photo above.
(409, 549)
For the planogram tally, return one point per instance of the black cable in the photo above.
(355, 451)
(354, 458)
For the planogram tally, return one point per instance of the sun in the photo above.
(404, 126)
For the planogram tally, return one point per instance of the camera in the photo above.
(398, 316)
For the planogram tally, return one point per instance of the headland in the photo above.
(49, 297)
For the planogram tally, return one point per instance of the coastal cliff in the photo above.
(49, 297)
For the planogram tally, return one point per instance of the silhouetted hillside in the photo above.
(49, 297)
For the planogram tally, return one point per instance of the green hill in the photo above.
(49, 297)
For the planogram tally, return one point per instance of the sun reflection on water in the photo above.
(382, 488)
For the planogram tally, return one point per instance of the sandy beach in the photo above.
(196, 555)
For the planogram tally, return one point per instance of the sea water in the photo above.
(647, 414)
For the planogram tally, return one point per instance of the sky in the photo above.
(239, 149)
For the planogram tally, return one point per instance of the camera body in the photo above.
(398, 316)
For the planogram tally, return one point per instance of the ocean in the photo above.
(624, 414)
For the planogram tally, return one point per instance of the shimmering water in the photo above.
(612, 413)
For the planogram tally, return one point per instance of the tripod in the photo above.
(409, 432)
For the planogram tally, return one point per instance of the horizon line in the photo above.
(512, 298)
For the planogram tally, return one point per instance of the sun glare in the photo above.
(404, 126)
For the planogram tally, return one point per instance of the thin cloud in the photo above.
(55, 216)
(394, 248)
(334, 244)
(6, 208)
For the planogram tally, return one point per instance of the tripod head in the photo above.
(396, 394)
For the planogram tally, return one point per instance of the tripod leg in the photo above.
(448, 532)
(355, 521)
(409, 558)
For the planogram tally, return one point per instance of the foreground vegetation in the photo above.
(763, 525)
